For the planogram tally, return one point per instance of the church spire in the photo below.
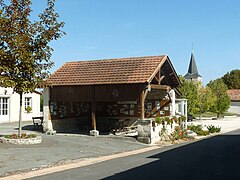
(192, 69)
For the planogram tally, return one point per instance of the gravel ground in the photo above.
(57, 149)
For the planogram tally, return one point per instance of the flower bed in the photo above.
(23, 139)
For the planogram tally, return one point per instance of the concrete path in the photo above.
(227, 124)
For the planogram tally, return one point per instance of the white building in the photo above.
(10, 105)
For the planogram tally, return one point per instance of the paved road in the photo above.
(217, 157)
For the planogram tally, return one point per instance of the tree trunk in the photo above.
(20, 117)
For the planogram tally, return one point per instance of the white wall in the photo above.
(14, 104)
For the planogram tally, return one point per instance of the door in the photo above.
(4, 109)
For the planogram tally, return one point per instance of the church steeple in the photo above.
(192, 70)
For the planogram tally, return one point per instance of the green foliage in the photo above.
(180, 133)
(194, 127)
(24, 50)
(213, 129)
(198, 129)
(28, 109)
(159, 120)
(24, 46)
(205, 100)
(189, 91)
(222, 103)
(183, 118)
(174, 119)
(232, 79)
(168, 120)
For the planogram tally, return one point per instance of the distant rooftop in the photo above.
(234, 94)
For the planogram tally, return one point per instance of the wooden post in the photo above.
(94, 125)
(142, 99)
(159, 76)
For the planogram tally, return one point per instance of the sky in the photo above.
(102, 29)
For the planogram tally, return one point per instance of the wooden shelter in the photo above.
(98, 92)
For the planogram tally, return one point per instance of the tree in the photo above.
(223, 101)
(189, 91)
(205, 100)
(232, 79)
(24, 46)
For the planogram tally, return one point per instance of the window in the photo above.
(3, 106)
(28, 104)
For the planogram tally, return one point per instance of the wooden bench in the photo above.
(37, 123)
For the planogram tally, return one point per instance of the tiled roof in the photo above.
(107, 71)
(234, 94)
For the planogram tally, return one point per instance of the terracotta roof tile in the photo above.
(234, 94)
(107, 71)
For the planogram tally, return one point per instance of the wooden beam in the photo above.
(161, 78)
(155, 77)
(142, 99)
(162, 87)
(94, 124)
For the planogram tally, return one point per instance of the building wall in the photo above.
(14, 105)
(234, 108)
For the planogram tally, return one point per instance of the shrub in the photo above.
(180, 133)
(213, 129)
(198, 129)
(159, 120)
(168, 120)
(174, 119)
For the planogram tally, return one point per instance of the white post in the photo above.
(47, 123)
(186, 114)
(182, 107)
(173, 102)
(183, 112)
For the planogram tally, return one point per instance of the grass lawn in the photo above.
(210, 114)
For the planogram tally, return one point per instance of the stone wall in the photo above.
(148, 131)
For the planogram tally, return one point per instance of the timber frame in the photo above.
(138, 80)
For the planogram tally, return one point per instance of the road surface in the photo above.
(213, 158)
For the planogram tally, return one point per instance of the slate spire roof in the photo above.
(192, 69)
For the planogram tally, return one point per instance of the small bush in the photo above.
(159, 120)
(168, 120)
(213, 129)
(202, 133)
(180, 133)
(195, 127)
(198, 129)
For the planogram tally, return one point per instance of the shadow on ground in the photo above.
(213, 158)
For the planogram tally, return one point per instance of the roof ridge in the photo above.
(113, 59)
